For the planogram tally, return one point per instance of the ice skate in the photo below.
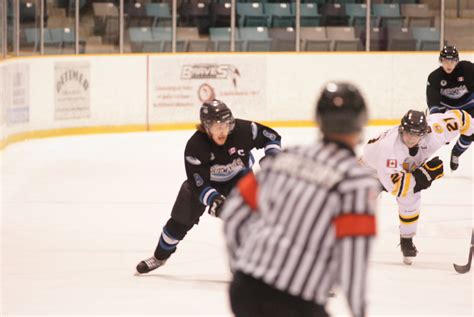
(149, 265)
(454, 163)
(409, 250)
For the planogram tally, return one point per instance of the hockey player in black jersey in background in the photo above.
(215, 158)
(305, 222)
(451, 86)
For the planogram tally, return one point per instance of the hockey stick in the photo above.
(465, 268)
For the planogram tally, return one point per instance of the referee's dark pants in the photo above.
(250, 297)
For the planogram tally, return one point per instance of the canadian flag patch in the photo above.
(391, 163)
(461, 78)
(232, 150)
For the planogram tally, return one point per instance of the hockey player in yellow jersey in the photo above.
(402, 159)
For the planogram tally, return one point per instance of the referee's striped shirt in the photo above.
(304, 223)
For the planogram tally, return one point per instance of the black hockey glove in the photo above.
(427, 173)
(216, 205)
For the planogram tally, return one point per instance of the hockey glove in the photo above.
(264, 159)
(268, 153)
(216, 205)
(427, 173)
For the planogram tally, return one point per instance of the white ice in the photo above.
(78, 214)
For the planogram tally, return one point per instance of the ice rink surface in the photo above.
(78, 214)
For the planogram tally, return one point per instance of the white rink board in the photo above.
(79, 214)
(265, 87)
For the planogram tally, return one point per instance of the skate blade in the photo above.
(408, 260)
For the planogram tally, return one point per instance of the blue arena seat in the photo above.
(160, 13)
(388, 15)
(251, 14)
(357, 13)
(220, 37)
(427, 38)
(256, 39)
(279, 14)
(309, 14)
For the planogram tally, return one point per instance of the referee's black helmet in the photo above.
(341, 109)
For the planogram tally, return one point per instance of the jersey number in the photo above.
(451, 126)
(395, 177)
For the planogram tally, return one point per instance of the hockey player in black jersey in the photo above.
(216, 157)
(451, 86)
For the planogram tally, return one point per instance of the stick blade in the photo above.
(461, 269)
(465, 268)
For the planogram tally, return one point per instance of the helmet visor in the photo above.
(220, 124)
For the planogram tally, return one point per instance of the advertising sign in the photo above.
(72, 90)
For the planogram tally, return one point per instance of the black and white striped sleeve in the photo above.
(355, 228)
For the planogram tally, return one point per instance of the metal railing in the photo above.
(11, 45)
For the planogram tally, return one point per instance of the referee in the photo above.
(305, 223)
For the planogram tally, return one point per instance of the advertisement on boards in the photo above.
(188, 81)
(3, 95)
(16, 91)
(72, 90)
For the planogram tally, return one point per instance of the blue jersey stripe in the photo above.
(211, 197)
(203, 193)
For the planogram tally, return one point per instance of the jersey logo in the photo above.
(443, 83)
(455, 92)
(406, 166)
(438, 128)
(224, 173)
(269, 135)
(409, 166)
(192, 160)
(391, 163)
(198, 179)
(241, 152)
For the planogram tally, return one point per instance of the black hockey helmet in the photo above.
(216, 111)
(341, 109)
(449, 53)
(414, 122)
